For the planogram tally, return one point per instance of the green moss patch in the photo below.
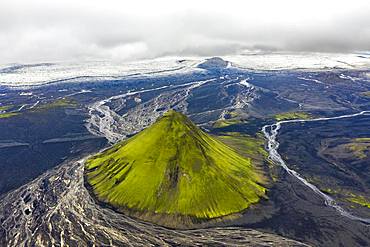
(8, 114)
(246, 145)
(4, 113)
(231, 118)
(360, 200)
(175, 170)
(359, 147)
(225, 123)
(329, 191)
(59, 103)
(292, 115)
(5, 107)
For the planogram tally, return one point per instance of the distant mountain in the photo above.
(174, 174)
(214, 63)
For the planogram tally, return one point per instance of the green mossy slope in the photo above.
(173, 168)
(292, 115)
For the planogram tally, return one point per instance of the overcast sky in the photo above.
(54, 30)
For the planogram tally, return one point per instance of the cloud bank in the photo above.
(44, 30)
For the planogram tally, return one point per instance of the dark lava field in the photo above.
(319, 166)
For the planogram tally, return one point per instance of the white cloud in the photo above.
(44, 30)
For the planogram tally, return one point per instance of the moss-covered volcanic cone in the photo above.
(173, 171)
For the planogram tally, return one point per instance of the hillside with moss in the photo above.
(174, 174)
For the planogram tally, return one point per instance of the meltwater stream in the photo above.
(271, 132)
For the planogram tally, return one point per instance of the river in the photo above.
(271, 132)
